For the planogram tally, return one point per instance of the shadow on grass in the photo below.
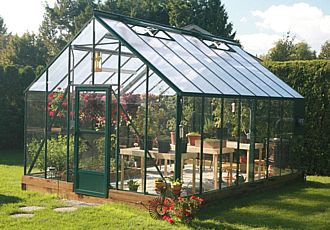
(270, 209)
(12, 157)
(9, 199)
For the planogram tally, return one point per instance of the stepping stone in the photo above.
(31, 208)
(18, 215)
(65, 209)
(77, 203)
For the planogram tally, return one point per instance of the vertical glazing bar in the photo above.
(252, 140)
(238, 153)
(146, 133)
(221, 142)
(268, 136)
(25, 130)
(68, 119)
(46, 123)
(108, 141)
(178, 138)
(93, 61)
(76, 138)
(202, 146)
(281, 135)
(118, 116)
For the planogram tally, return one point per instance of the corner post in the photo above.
(252, 140)
(46, 124)
(146, 132)
(118, 116)
(178, 139)
(68, 118)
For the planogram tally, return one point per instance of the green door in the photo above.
(92, 140)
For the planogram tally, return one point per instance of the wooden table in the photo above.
(215, 152)
(246, 146)
(136, 151)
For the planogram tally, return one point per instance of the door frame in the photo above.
(107, 134)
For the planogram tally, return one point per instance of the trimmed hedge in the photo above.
(13, 81)
(312, 80)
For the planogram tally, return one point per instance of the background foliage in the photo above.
(312, 80)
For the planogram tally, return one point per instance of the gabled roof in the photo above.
(189, 63)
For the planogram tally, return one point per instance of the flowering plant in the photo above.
(54, 103)
(183, 210)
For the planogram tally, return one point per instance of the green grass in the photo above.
(298, 206)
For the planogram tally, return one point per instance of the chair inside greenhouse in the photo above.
(128, 102)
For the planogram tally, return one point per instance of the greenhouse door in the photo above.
(92, 140)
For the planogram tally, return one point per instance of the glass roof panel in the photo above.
(266, 72)
(229, 57)
(210, 61)
(241, 78)
(199, 67)
(40, 84)
(159, 62)
(58, 70)
(179, 64)
(261, 76)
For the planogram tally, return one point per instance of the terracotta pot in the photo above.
(160, 185)
(172, 138)
(192, 138)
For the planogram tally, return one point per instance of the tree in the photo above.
(285, 50)
(302, 51)
(3, 28)
(25, 50)
(208, 14)
(325, 51)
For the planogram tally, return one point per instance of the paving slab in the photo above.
(77, 203)
(19, 215)
(31, 208)
(65, 209)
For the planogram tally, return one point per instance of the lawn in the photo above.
(298, 206)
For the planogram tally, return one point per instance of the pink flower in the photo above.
(51, 113)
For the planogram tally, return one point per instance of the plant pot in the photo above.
(176, 189)
(184, 144)
(133, 188)
(56, 130)
(149, 143)
(172, 138)
(164, 146)
(192, 138)
(159, 185)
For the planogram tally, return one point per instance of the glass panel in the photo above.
(181, 65)
(40, 84)
(58, 70)
(260, 164)
(274, 90)
(210, 60)
(274, 140)
(267, 73)
(156, 60)
(229, 156)
(35, 130)
(262, 88)
(199, 67)
(92, 109)
(83, 70)
(86, 35)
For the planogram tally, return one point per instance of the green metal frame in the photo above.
(105, 174)
(252, 139)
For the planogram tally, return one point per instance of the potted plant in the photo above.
(192, 137)
(133, 185)
(163, 144)
(176, 186)
(149, 143)
(160, 184)
(170, 124)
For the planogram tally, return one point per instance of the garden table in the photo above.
(246, 146)
(136, 151)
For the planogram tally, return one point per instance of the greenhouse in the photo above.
(128, 102)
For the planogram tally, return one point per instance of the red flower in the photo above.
(51, 113)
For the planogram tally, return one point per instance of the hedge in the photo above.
(312, 80)
(13, 81)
